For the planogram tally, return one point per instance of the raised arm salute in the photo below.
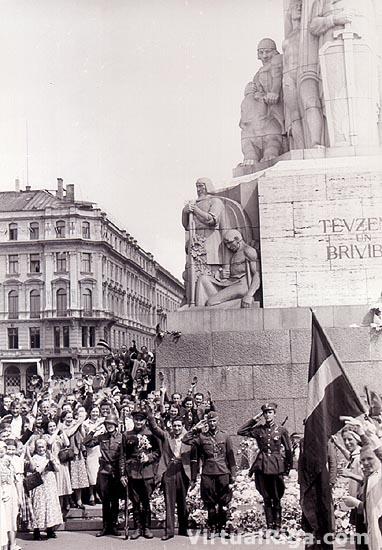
(270, 464)
(214, 447)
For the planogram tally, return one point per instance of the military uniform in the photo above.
(218, 470)
(270, 463)
(108, 481)
(141, 476)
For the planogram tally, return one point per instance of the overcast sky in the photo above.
(130, 100)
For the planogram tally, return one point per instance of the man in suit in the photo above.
(140, 454)
(269, 466)
(175, 470)
(214, 447)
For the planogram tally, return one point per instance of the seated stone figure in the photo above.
(240, 279)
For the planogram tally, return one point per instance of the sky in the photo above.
(130, 100)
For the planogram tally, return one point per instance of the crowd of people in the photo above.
(113, 436)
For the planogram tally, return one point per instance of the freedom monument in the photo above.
(298, 227)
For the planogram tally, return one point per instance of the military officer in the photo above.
(138, 463)
(271, 462)
(214, 448)
(108, 482)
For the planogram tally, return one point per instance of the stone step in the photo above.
(89, 512)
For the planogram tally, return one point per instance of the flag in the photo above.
(104, 344)
(330, 395)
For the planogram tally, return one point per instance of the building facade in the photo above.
(68, 278)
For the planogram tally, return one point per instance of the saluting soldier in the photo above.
(139, 458)
(108, 482)
(272, 462)
(214, 448)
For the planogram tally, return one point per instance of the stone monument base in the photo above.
(247, 357)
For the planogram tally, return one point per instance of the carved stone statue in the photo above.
(240, 279)
(262, 117)
(291, 47)
(337, 75)
(205, 220)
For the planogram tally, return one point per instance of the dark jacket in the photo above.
(129, 461)
(110, 447)
(215, 451)
(270, 438)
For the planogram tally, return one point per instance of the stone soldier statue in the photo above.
(214, 447)
(262, 113)
(291, 46)
(269, 466)
(241, 279)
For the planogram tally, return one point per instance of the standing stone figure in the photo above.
(262, 116)
(240, 280)
(291, 47)
(337, 75)
(203, 221)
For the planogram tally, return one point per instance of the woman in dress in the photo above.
(58, 440)
(75, 432)
(9, 497)
(44, 498)
(93, 453)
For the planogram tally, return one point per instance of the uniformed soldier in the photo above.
(138, 463)
(108, 481)
(214, 448)
(272, 462)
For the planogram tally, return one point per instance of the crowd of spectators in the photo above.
(45, 465)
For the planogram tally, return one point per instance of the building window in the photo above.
(65, 337)
(62, 302)
(60, 229)
(35, 304)
(13, 304)
(61, 261)
(13, 263)
(57, 337)
(34, 261)
(34, 231)
(86, 262)
(13, 338)
(13, 231)
(34, 335)
(87, 302)
(85, 230)
(92, 334)
(84, 339)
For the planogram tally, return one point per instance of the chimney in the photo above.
(17, 185)
(70, 192)
(60, 188)
(27, 188)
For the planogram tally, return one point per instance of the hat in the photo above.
(139, 415)
(212, 414)
(269, 407)
(111, 419)
(375, 408)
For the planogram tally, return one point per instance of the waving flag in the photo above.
(330, 395)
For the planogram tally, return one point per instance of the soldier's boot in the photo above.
(211, 522)
(277, 519)
(137, 526)
(146, 524)
(268, 511)
(222, 521)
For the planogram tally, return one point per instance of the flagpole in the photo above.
(335, 355)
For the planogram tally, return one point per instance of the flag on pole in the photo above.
(103, 344)
(330, 395)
